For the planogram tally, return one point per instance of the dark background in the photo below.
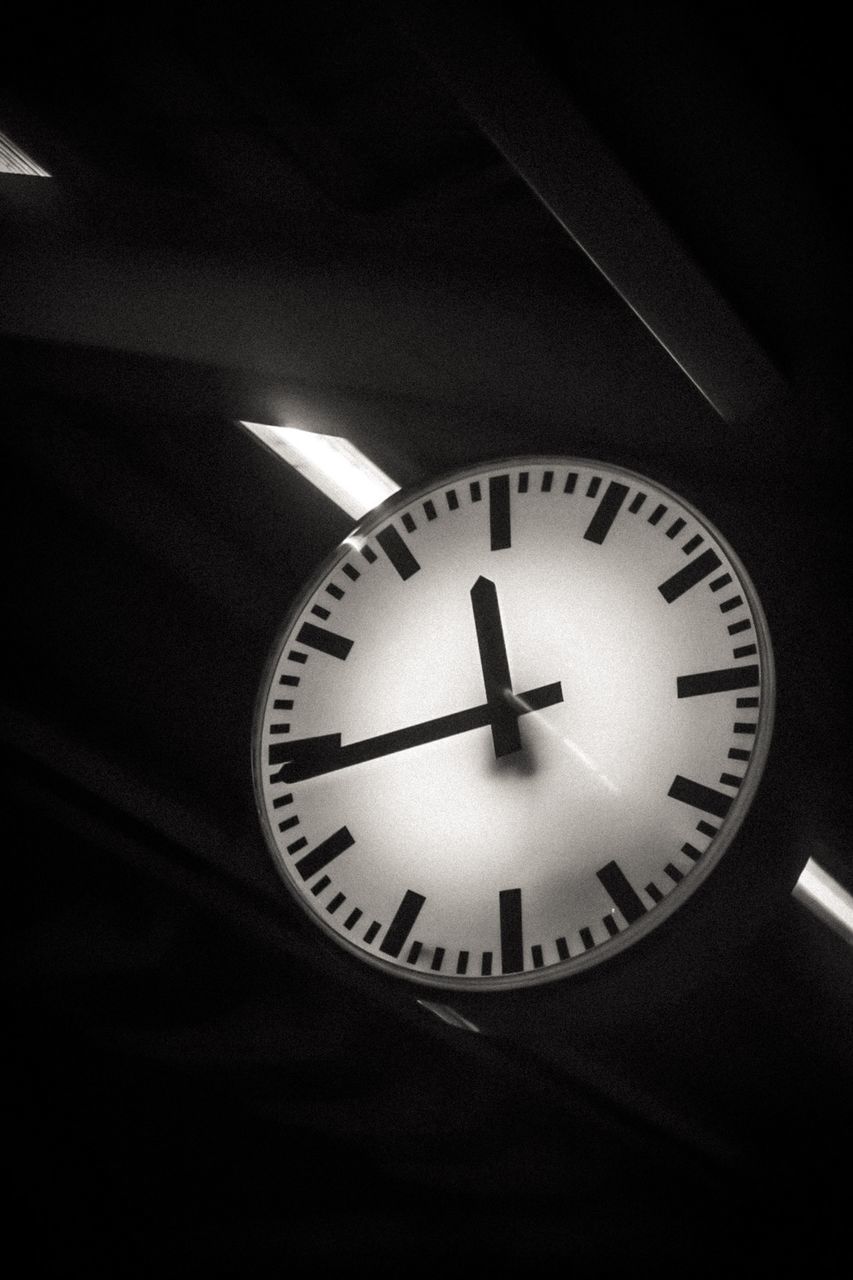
(295, 216)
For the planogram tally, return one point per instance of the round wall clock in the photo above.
(513, 723)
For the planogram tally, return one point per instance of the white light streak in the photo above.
(333, 465)
(14, 160)
(829, 900)
(587, 761)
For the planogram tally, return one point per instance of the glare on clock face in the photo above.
(514, 723)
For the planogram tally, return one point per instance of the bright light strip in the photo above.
(829, 900)
(332, 464)
(14, 160)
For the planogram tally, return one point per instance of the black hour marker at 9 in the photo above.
(621, 891)
(397, 552)
(606, 512)
(689, 575)
(512, 947)
(324, 853)
(324, 641)
(700, 796)
(402, 924)
(499, 517)
(701, 682)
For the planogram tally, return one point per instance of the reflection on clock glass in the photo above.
(514, 723)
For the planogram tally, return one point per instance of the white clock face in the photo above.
(514, 723)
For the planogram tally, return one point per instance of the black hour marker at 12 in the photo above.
(324, 641)
(397, 552)
(499, 518)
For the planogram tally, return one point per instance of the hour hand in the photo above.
(506, 736)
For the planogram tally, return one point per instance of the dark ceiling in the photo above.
(328, 215)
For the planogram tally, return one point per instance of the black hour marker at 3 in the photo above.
(689, 575)
(512, 946)
(721, 681)
(499, 517)
(700, 796)
(606, 512)
(397, 552)
(402, 924)
(619, 888)
(324, 641)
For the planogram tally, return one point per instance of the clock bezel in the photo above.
(681, 893)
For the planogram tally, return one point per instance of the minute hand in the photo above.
(307, 757)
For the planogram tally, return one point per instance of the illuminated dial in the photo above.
(513, 723)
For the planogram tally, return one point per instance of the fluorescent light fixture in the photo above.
(14, 160)
(332, 464)
(829, 900)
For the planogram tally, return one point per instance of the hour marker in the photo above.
(673, 873)
(351, 573)
(324, 641)
(690, 547)
(732, 603)
(486, 964)
(372, 931)
(700, 796)
(536, 956)
(735, 628)
(512, 947)
(562, 948)
(397, 552)
(610, 925)
(431, 513)
(571, 481)
(319, 612)
(353, 918)
(499, 518)
(692, 853)
(414, 951)
(636, 503)
(334, 590)
(409, 523)
(675, 528)
(462, 962)
(437, 959)
(722, 581)
(744, 651)
(369, 554)
(476, 491)
(402, 924)
(606, 512)
(701, 682)
(336, 902)
(322, 883)
(654, 893)
(547, 481)
(324, 853)
(523, 481)
(689, 575)
(587, 939)
(621, 891)
(742, 726)
(706, 828)
(452, 500)
(658, 514)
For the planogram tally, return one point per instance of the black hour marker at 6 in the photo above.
(512, 947)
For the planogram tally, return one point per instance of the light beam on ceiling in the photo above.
(829, 900)
(336, 467)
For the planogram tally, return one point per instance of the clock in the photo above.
(513, 723)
